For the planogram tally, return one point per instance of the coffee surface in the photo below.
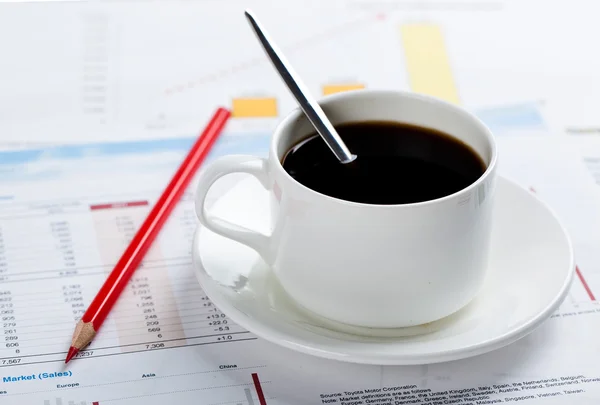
(396, 164)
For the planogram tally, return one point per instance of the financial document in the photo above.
(67, 213)
(147, 74)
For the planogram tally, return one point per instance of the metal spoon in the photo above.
(310, 107)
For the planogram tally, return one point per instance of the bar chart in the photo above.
(427, 62)
(254, 107)
(428, 70)
(249, 395)
(418, 56)
(341, 87)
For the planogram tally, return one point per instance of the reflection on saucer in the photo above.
(513, 302)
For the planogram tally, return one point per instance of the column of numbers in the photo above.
(63, 242)
(10, 338)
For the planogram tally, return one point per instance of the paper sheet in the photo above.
(125, 71)
(67, 212)
(88, 71)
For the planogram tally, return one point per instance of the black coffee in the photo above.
(396, 164)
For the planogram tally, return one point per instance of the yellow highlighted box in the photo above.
(427, 61)
(254, 107)
(338, 88)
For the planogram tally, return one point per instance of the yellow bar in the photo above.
(338, 88)
(254, 107)
(427, 61)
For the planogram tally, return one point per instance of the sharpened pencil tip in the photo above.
(72, 352)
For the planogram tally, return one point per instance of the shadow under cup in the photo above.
(355, 265)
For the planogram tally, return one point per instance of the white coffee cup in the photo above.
(378, 266)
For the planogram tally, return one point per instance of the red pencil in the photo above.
(117, 280)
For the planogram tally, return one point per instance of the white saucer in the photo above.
(530, 273)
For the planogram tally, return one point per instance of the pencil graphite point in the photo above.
(72, 352)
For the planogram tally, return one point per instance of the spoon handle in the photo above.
(310, 107)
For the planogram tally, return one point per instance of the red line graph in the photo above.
(582, 280)
(311, 40)
(259, 391)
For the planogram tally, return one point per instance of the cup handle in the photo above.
(220, 167)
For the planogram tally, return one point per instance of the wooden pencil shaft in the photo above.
(132, 256)
(83, 335)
